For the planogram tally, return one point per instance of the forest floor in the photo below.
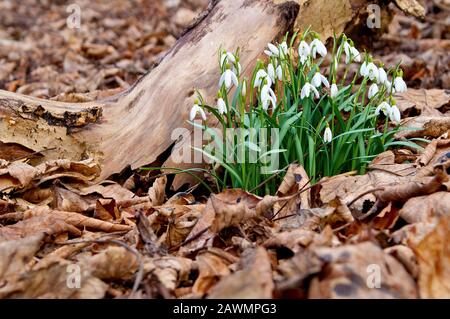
(135, 236)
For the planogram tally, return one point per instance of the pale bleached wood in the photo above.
(135, 127)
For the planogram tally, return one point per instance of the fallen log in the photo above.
(135, 127)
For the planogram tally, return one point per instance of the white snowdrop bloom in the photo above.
(306, 91)
(273, 50)
(284, 49)
(318, 47)
(394, 114)
(221, 106)
(356, 55)
(347, 47)
(304, 50)
(363, 69)
(237, 68)
(334, 90)
(383, 107)
(197, 109)
(228, 78)
(389, 88)
(268, 97)
(279, 72)
(369, 70)
(271, 72)
(327, 135)
(382, 76)
(244, 88)
(373, 90)
(227, 57)
(400, 85)
(260, 77)
(318, 79)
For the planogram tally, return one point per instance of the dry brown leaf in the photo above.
(434, 260)
(425, 102)
(112, 263)
(16, 254)
(68, 201)
(171, 271)
(293, 239)
(157, 192)
(40, 224)
(252, 281)
(424, 126)
(348, 271)
(212, 265)
(420, 209)
(406, 257)
(52, 282)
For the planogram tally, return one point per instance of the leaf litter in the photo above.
(133, 237)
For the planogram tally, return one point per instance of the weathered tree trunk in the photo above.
(135, 127)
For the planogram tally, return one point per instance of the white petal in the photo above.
(363, 69)
(316, 81)
(325, 81)
(382, 76)
(273, 49)
(334, 90)
(279, 73)
(231, 57)
(234, 78)
(222, 79)
(400, 85)
(316, 93)
(265, 93)
(221, 106)
(271, 72)
(269, 53)
(373, 90)
(193, 112)
(355, 54)
(328, 135)
(305, 90)
(228, 78)
(394, 114)
(202, 113)
(222, 59)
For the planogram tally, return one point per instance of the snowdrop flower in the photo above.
(383, 107)
(273, 50)
(260, 76)
(237, 68)
(279, 72)
(334, 90)
(389, 88)
(284, 48)
(400, 85)
(394, 114)
(369, 70)
(382, 76)
(327, 135)
(268, 96)
(244, 88)
(228, 78)
(228, 57)
(197, 109)
(306, 90)
(221, 106)
(304, 51)
(318, 47)
(351, 52)
(373, 90)
(271, 72)
(318, 79)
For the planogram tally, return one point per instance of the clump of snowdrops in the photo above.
(296, 110)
